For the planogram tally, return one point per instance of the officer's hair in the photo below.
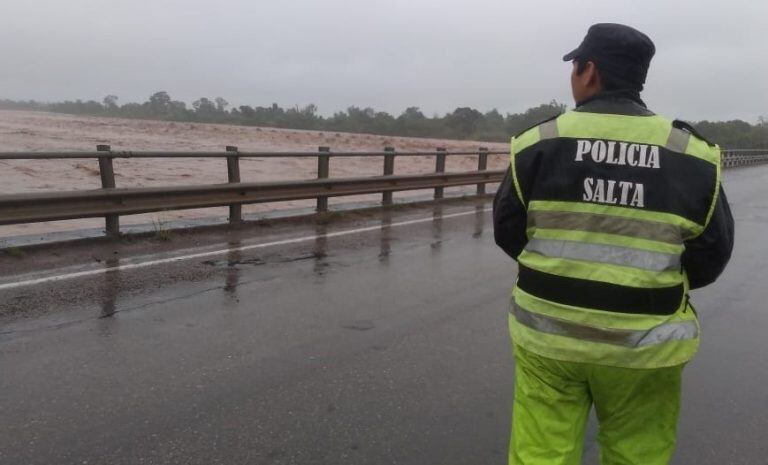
(608, 81)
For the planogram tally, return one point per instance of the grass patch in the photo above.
(399, 206)
(161, 230)
(15, 252)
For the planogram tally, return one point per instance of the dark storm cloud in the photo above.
(387, 54)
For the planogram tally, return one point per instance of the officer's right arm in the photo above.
(509, 218)
(706, 255)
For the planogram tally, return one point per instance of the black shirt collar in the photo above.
(621, 102)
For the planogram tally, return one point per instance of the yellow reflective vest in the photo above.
(610, 200)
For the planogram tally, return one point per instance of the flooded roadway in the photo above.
(383, 346)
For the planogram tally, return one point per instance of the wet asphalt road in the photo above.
(384, 347)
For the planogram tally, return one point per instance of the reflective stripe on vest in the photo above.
(601, 253)
(670, 331)
(678, 140)
(606, 224)
(548, 130)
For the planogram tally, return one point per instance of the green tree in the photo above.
(221, 104)
(205, 110)
(158, 103)
(464, 121)
(110, 103)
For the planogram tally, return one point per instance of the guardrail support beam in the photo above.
(233, 176)
(107, 173)
(389, 170)
(440, 168)
(323, 171)
(482, 165)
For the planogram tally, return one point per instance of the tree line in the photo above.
(462, 123)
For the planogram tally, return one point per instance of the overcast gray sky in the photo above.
(711, 61)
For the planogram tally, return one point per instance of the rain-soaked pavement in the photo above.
(379, 347)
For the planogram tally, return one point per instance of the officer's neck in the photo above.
(622, 94)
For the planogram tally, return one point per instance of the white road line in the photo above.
(162, 261)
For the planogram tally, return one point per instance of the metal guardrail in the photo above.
(744, 157)
(29, 208)
(110, 202)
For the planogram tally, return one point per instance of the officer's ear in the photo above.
(585, 80)
(588, 74)
(580, 65)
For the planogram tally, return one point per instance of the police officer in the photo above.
(613, 214)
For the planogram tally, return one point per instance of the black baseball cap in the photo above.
(618, 50)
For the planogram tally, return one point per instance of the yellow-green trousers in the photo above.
(637, 411)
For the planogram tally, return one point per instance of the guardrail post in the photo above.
(389, 169)
(233, 176)
(440, 168)
(323, 170)
(107, 173)
(482, 165)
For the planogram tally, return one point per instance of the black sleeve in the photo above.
(705, 256)
(509, 218)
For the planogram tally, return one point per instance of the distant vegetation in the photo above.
(462, 123)
(736, 134)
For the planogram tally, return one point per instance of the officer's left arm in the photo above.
(706, 255)
(509, 218)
